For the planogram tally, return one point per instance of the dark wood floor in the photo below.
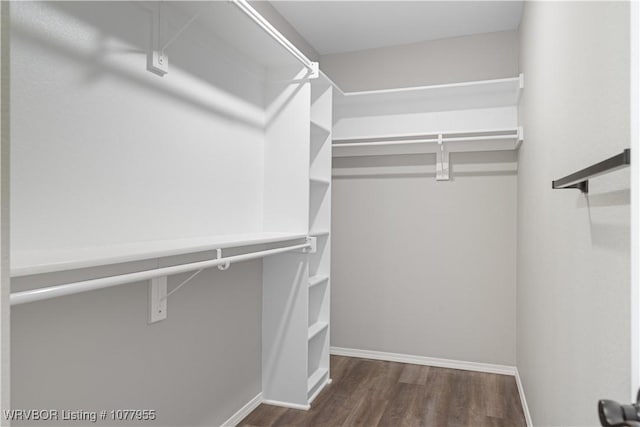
(373, 393)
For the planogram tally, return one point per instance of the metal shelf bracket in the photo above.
(580, 179)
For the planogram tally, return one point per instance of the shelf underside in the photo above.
(225, 20)
(46, 261)
(316, 378)
(317, 280)
(317, 328)
(320, 181)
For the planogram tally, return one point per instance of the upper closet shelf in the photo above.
(455, 96)
(259, 40)
(47, 261)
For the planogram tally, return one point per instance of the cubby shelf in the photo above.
(320, 181)
(318, 131)
(316, 377)
(317, 279)
(316, 328)
(47, 261)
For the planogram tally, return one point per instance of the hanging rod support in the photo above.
(224, 266)
(442, 161)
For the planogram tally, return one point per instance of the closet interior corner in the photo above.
(267, 213)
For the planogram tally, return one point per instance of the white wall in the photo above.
(95, 350)
(573, 342)
(452, 60)
(106, 152)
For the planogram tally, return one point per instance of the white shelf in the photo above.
(260, 41)
(320, 181)
(47, 261)
(317, 279)
(456, 96)
(319, 233)
(316, 328)
(316, 378)
(318, 132)
(455, 142)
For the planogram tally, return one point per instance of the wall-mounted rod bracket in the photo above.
(580, 179)
(157, 60)
(157, 299)
(314, 71)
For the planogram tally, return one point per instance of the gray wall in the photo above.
(452, 60)
(95, 351)
(573, 338)
(423, 267)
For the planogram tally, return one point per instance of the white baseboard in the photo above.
(286, 404)
(427, 361)
(235, 419)
(523, 400)
(441, 363)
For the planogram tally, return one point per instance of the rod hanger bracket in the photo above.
(224, 266)
(314, 72)
(442, 161)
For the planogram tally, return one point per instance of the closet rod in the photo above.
(580, 179)
(245, 7)
(39, 294)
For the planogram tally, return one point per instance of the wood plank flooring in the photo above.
(373, 393)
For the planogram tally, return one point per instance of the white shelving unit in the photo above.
(318, 281)
(231, 117)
